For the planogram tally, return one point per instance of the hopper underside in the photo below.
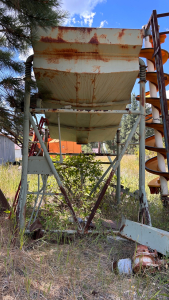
(86, 68)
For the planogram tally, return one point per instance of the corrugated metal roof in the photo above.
(91, 68)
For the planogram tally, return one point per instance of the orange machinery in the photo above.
(67, 147)
(53, 145)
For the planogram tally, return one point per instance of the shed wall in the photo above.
(7, 150)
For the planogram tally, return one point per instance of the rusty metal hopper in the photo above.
(86, 68)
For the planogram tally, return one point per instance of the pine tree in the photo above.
(17, 17)
(127, 124)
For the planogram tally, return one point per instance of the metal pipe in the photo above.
(111, 175)
(45, 194)
(72, 231)
(92, 162)
(54, 170)
(109, 158)
(21, 208)
(60, 146)
(118, 187)
(142, 195)
(84, 111)
(44, 188)
(36, 200)
(85, 154)
(84, 128)
(99, 147)
(67, 104)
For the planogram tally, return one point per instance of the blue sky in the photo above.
(117, 14)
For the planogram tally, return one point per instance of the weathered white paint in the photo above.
(86, 66)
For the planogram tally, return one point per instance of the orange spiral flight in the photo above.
(150, 144)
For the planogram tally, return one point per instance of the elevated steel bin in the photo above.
(86, 68)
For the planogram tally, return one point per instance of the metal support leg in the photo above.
(142, 195)
(118, 188)
(54, 171)
(60, 146)
(44, 179)
(99, 147)
(21, 209)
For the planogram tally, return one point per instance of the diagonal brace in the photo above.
(56, 175)
(111, 175)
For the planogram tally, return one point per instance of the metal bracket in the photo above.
(38, 165)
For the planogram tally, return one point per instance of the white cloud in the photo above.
(167, 94)
(82, 8)
(24, 57)
(88, 18)
(103, 23)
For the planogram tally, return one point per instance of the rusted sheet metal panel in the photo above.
(86, 66)
(152, 237)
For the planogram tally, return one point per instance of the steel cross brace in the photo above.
(102, 193)
(44, 178)
(56, 175)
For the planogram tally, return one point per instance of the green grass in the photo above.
(79, 268)
(10, 177)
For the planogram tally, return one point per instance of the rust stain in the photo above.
(69, 53)
(142, 35)
(96, 69)
(38, 75)
(94, 88)
(122, 227)
(121, 33)
(103, 36)
(68, 29)
(94, 39)
(93, 80)
(124, 46)
(77, 86)
(53, 60)
(68, 70)
(47, 39)
(134, 47)
(50, 75)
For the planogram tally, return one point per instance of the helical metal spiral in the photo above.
(155, 165)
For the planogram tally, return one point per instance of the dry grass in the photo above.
(80, 270)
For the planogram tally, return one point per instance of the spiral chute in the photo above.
(152, 165)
